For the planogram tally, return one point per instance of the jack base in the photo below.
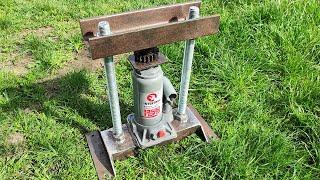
(143, 141)
(104, 149)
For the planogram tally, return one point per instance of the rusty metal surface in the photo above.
(139, 39)
(104, 149)
(141, 66)
(206, 133)
(119, 151)
(138, 19)
(101, 159)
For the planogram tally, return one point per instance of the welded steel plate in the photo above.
(105, 150)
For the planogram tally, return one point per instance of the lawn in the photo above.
(256, 82)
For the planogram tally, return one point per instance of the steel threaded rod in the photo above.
(186, 70)
(104, 29)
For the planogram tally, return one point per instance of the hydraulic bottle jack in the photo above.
(155, 119)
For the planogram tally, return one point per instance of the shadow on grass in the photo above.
(64, 98)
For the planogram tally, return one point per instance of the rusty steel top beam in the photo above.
(147, 28)
(138, 19)
(134, 40)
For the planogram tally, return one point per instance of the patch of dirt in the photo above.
(17, 64)
(80, 61)
(41, 32)
(33, 107)
(15, 139)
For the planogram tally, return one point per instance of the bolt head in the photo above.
(104, 28)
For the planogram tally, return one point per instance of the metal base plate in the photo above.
(104, 150)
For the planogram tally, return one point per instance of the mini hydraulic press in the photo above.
(155, 119)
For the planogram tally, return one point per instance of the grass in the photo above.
(257, 83)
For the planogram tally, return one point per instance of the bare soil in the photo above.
(15, 138)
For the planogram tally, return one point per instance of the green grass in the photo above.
(257, 83)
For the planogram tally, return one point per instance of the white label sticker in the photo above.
(152, 105)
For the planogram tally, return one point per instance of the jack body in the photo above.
(153, 98)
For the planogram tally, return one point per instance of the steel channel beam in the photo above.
(138, 19)
(134, 40)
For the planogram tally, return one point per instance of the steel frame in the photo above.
(133, 31)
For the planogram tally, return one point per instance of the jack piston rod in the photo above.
(104, 30)
(186, 69)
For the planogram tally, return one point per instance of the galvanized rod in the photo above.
(104, 29)
(186, 69)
